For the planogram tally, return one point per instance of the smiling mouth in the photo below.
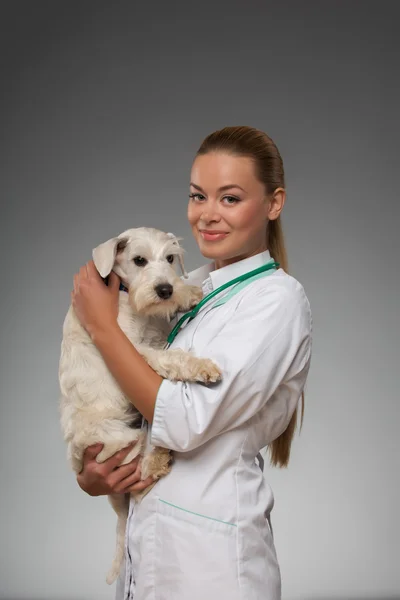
(212, 236)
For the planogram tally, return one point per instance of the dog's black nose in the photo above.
(164, 290)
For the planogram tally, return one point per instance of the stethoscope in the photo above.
(189, 316)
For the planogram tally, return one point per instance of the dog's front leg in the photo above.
(179, 365)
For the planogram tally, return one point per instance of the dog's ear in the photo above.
(104, 254)
(175, 241)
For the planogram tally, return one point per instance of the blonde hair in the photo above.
(257, 145)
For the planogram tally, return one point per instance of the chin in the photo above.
(213, 252)
(209, 250)
(209, 253)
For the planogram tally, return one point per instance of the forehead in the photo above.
(150, 244)
(217, 169)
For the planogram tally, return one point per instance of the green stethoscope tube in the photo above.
(192, 313)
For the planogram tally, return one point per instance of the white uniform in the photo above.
(203, 532)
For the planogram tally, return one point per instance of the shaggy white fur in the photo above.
(93, 407)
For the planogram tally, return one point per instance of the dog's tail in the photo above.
(120, 503)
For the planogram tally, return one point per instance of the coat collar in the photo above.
(210, 278)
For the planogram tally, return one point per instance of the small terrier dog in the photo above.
(93, 407)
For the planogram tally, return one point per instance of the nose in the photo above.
(164, 290)
(210, 214)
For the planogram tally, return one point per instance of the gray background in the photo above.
(103, 106)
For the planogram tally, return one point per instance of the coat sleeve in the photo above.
(266, 345)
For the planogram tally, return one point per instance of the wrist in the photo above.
(101, 333)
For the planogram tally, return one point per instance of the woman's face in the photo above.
(228, 208)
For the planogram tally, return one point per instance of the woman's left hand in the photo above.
(95, 304)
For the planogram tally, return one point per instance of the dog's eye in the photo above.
(140, 261)
(170, 258)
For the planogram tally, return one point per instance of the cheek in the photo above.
(247, 217)
(192, 214)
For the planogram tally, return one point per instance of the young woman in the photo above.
(203, 532)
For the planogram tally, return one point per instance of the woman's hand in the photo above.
(110, 477)
(95, 304)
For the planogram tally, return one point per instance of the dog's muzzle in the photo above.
(164, 290)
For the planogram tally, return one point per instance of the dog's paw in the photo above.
(157, 464)
(193, 297)
(206, 371)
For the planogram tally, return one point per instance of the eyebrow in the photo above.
(221, 189)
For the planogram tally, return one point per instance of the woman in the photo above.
(203, 532)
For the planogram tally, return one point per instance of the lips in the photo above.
(211, 235)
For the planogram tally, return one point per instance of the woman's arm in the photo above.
(264, 353)
(96, 306)
(137, 380)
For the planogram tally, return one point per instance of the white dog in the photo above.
(93, 407)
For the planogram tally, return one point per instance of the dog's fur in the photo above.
(93, 407)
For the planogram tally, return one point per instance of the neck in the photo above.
(224, 262)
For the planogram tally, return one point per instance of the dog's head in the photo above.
(145, 259)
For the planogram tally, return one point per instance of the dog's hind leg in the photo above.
(120, 503)
(155, 464)
(115, 444)
(75, 455)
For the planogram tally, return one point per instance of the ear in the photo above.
(105, 254)
(180, 254)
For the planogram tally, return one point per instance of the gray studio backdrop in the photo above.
(103, 106)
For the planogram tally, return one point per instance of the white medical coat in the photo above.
(203, 532)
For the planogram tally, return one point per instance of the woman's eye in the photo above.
(228, 199)
(170, 258)
(140, 261)
(231, 199)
